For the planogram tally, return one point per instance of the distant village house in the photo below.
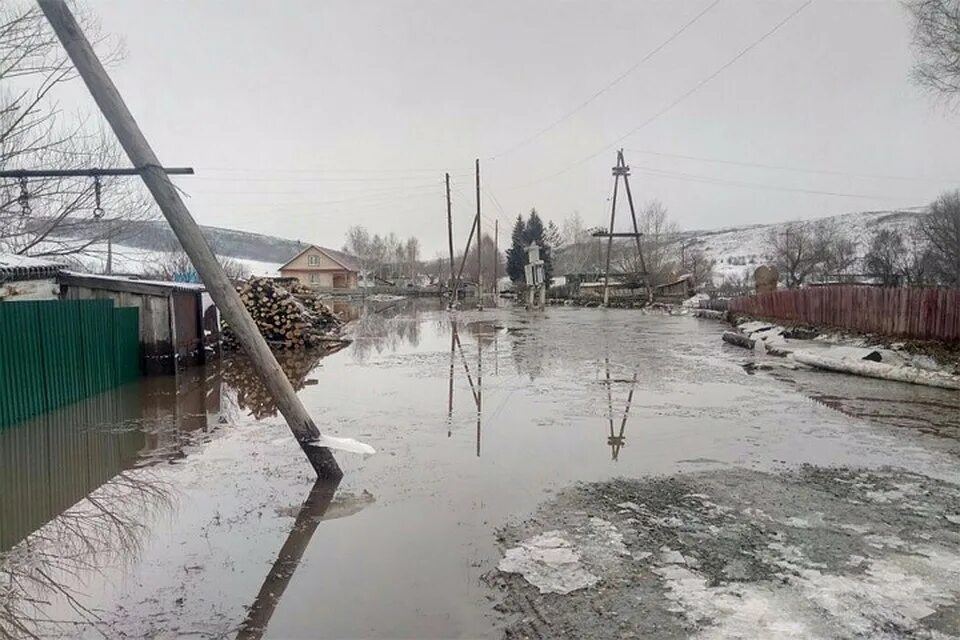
(322, 267)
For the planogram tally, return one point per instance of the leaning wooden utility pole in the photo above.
(453, 299)
(479, 245)
(188, 233)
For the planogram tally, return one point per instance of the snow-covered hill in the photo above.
(737, 251)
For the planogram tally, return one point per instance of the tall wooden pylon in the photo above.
(621, 170)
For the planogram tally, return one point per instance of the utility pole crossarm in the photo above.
(224, 295)
(90, 173)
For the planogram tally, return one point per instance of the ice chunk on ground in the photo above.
(344, 444)
(549, 562)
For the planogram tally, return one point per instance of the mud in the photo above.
(812, 553)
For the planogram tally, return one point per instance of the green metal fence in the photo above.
(55, 352)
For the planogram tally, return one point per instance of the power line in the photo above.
(334, 171)
(696, 87)
(372, 178)
(789, 168)
(367, 193)
(755, 185)
(609, 85)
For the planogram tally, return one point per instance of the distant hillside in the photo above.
(738, 250)
(157, 236)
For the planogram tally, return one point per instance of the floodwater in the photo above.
(182, 506)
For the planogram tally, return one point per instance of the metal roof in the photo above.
(16, 267)
(131, 285)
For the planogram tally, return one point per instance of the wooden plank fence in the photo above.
(929, 314)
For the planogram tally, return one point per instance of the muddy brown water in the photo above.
(177, 506)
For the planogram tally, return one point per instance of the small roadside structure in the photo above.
(173, 327)
(678, 290)
(317, 266)
(23, 278)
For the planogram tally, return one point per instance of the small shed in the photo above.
(680, 289)
(174, 329)
(24, 278)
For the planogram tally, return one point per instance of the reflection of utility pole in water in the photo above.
(276, 582)
(479, 390)
(617, 440)
(453, 348)
(475, 389)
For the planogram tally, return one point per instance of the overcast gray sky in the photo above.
(303, 118)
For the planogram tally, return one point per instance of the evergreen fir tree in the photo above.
(535, 232)
(517, 253)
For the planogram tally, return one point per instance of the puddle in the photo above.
(206, 521)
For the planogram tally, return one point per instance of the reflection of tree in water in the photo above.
(529, 352)
(386, 326)
(105, 528)
(251, 394)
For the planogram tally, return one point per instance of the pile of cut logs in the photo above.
(289, 315)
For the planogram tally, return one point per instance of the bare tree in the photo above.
(470, 268)
(174, 264)
(657, 244)
(839, 253)
(919, 266)
(411, 256)
(936, 38)
(941, 228)
(578, 250)
(699, 266)
(884, 257)
(800, 250)
(359, 245)
(736, 285)
(54, 216)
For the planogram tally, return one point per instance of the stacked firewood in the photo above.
(289, 316)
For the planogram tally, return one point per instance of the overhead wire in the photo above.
(673, 104)
(776, 167)
(676, 34)
(756, 185)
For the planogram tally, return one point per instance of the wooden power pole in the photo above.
(479, 245)
(453, 293)
(496, 263)
(621, 170)
(188, 233)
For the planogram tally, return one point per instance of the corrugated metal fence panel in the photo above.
(61, 352)
(932, 314)
(97, 338)
(126, 326)
(55, 352)
(22, 392)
